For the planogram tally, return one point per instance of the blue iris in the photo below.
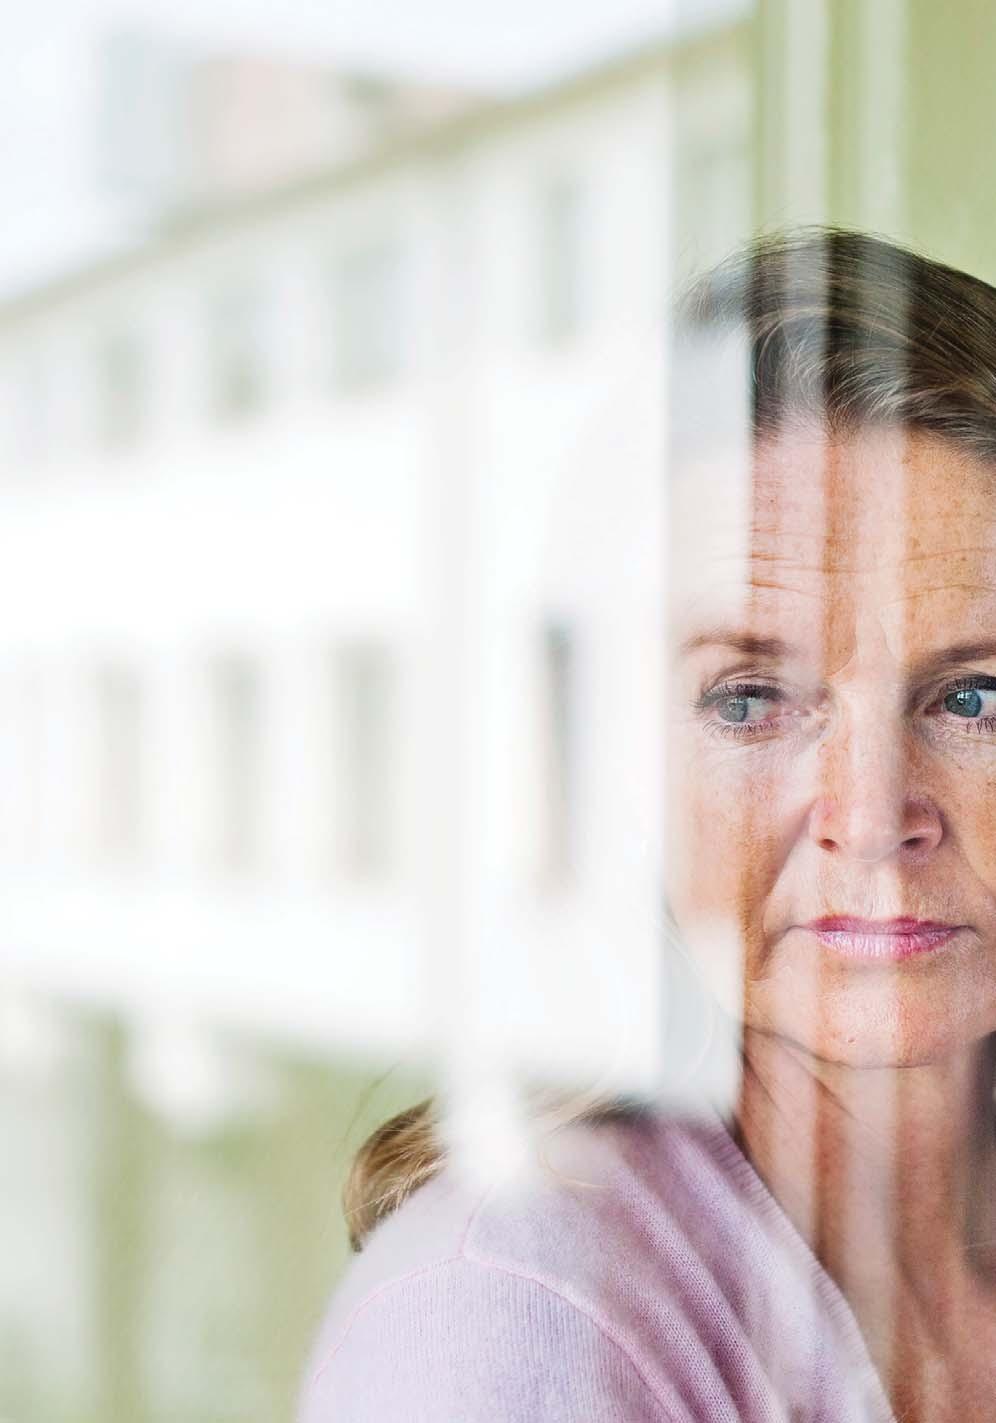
(734, 708)
(967, 701)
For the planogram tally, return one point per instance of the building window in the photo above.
(366, 298)
(121, 388)
(558, 710)
(366, 766)
(33, 413)
(236, 354)
(236, 753)
(119, 772)
(23, 718)
(715, 201)
(559, 295)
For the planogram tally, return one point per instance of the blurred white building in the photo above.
(330, 577)
(331, 602)
(178, 125)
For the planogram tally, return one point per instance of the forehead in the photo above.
(816, 538)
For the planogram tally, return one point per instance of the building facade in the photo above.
(332, 566)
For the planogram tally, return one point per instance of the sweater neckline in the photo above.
(732, 1157)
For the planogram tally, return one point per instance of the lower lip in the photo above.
(884, 948)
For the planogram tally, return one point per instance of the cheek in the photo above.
(967, 798)
(726, 839)
(981, 850)
(959, 776)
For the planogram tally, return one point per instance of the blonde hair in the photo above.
(409, 1149)
(839, 328)
(401, 1155)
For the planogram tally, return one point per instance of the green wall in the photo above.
(950, 150)
(880, 114)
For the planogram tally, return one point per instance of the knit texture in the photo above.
(647, 1277)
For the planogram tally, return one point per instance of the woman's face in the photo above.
(833, 756)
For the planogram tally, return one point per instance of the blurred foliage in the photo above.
(198, 1262)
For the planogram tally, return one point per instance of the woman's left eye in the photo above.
(972, 701)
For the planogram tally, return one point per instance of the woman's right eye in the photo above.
(743, 709)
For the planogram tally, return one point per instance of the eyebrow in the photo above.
(773, 648)
(977, 651)
(749, 644)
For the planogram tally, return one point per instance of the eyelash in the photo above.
(985, 725)
(747, 730)
(725, 691)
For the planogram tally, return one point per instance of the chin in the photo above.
(909, 1016)
(872, 1050)
(905, 1041)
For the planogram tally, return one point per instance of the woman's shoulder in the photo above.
(586, 1259)
(613, 1199)
(621, 1181)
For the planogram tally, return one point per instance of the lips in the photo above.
(881, 939)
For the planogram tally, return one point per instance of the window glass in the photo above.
(33, 409)
(236, 353)
(367, 348)
(365, 692)
(560, 272)
(121, 387)
(235, 752)
(558, 732)
(119, 777)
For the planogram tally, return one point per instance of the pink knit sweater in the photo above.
(669, 1288)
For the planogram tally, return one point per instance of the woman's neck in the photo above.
(888, 1173)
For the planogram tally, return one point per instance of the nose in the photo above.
(867, 809)
(869, 836)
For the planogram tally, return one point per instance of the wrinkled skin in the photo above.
(828, 768)
(859, 793)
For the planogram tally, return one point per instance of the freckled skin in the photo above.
(862, 796)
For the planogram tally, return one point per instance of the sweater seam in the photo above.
(394, 1283)
(396, 1280)
(577, 1303)
(465, 1255)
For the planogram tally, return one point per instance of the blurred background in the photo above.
(333, 431)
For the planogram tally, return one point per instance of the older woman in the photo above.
(829, 1251)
